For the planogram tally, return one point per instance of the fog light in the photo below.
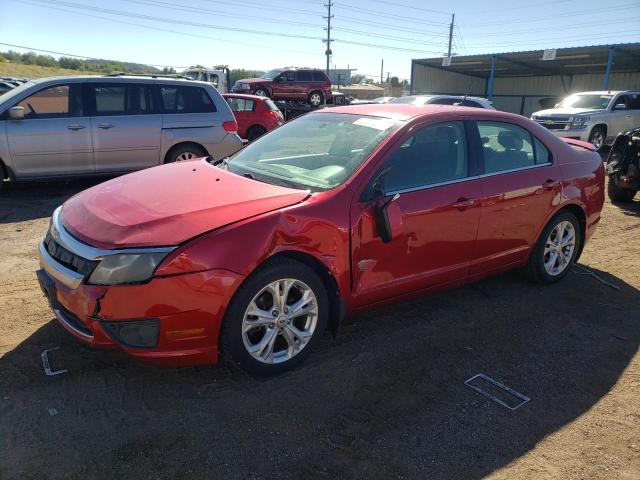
(137, 334)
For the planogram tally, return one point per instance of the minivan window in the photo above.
(506, 147)
(59, 101)
(182, 99)
(117, 99)
(434, 154)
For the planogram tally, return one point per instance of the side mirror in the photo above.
(385, 222)
(16, 113)
(619, 106)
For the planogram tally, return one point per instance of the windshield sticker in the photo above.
(377, 123)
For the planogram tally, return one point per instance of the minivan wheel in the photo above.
(255, 132)
(275, 319)
(315, 99)
(261, 92)
(185, 152)
(598, 136)
(556, 250)
(619, 194)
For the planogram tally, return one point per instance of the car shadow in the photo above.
(631, 208)
(32, 200)
(385, 399)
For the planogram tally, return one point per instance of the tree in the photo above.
(357, 78)
(395, 82)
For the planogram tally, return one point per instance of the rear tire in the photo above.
(598, 136)
(618, 194)
(315, 99)
(274, 339)
(254, 132)
(549, 260)
(185, 152)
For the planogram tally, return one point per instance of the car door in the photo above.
(436, 215)
(54, 137)
(243, 111)
(621, 118)
(285, 86)
(633, 104)
(126, 126)
(520, 187)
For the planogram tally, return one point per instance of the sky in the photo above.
(263, 34)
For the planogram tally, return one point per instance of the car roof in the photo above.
(603, 92)
(117, 79)
(406, 111)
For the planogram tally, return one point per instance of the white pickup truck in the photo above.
(595, 117)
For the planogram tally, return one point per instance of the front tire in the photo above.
(275, 319)
(598, 136)
(556, 250)
(618, 194)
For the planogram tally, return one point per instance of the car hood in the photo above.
(563, 112)
(169, 204)
(254, 80)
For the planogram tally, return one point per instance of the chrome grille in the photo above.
(68, 259)
(554, 123)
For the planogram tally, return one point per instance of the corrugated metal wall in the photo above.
(515, 93)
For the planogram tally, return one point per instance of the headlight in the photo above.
(244, 86)
(126, 268)
(579, 121)
(534, 117)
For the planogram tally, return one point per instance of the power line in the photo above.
(564, 27)
(412, 7)
(378, 13)
(536, 42)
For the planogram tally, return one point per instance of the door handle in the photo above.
(549, 185)
(105, 126)
(464, 203)
(75, 126)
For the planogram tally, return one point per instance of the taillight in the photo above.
(231, 126)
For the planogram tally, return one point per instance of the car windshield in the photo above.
(591, 101)
(271, 74)
(318, 151)
(17, 90)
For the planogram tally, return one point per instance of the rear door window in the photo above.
(183, 99)
(122, 99)
(319, 77)
(304, 76)
(509, 147)
(241, 104)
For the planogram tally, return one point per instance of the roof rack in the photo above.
(152, 75)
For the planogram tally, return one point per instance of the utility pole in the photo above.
(381, 70)
(453, 17)
(328, 51)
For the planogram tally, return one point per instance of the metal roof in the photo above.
(568, 61)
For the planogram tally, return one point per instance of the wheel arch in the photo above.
(603, 125)
(581, 215)
(173, 148)
(337, 306)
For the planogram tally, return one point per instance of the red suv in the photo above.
(255, 115)
(339, 211)
(306, 84)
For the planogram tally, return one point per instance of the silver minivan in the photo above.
(106, 125)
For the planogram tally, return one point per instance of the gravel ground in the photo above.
(386, 399)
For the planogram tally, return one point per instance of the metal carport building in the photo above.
(522, 82)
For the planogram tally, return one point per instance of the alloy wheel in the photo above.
(559, 248)
(315, 99)
(279, 321)
(185, 156)
(597, 139)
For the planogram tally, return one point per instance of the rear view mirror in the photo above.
(16, 113)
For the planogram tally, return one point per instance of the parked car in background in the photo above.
(594, 117)
(5, 87)
(255, 115)
(68, 126)
(373, 100)
(623, 166)
(301, 84)
(459, 100)
(339, 211)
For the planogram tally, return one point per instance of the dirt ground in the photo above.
(386, 399)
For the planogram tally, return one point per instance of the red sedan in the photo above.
(255, 115)
(339, 211)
